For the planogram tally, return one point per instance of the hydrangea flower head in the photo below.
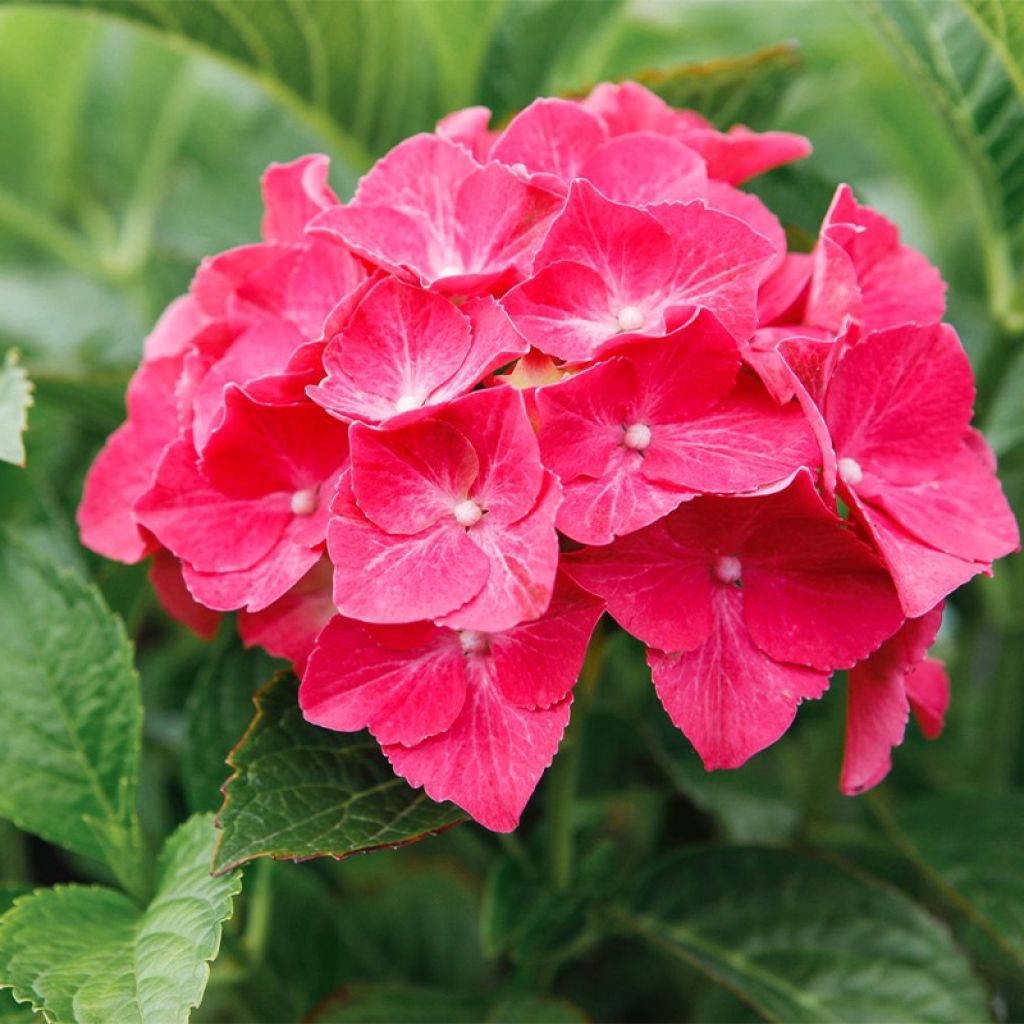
(421, 439)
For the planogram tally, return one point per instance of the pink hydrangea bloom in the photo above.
(418, 439)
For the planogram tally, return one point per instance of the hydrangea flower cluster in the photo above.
(420, 442)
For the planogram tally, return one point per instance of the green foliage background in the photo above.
(132, 136)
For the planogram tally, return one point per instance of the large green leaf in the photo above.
(300, 791)
(72, 716)
(966, 56)
(15, 401)
(972, 847)
(88, 955)
(800, 940)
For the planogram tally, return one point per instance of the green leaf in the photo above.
(218, 712)
(88, 955)
(300, 791)
(72, 715)
(15, 402)
(962, 54)
(733, 90)
(801, 940)
(971, 848)
(400, 1004)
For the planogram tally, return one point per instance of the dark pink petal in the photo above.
(739, 154)
(523, 558)
(928, 692)
(511, 473)
(289, 627)
(728, 697)
(495, 344)
(356, 679)
(324, 275)
(412, 477)
(468, 128)
(814, 594)
(900, 401)
(537, 663)
(551, 139)
(216, 282)
(260, 449)
(165, 575)
(656, 588)
(490, 760)
(782, 290)
(201, 524)
(293, 194)
(961, 510)
(382, 577)
(744, 442)
(643, 168)
(720, 263)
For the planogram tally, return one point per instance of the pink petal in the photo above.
(629, 107)
(468, 128)
(643, 168)
(495, 343)
(289, 627)
(900, 401)
(325, 274)
(174, 331)
(739, 154)
(551, 138)
(402, 692)
(537, 663)
(753, 212)
(656, 587)
(382, 577)
(727, 697)
(409, 478)
(491, 758)
(928, 693)
(293, 194)
(781, 291)
(165, 576)
(523, 558)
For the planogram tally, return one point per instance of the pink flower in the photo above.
(429, 213)
(248, 518)
(473, 717)
(747, 605)
(449, 518)
(897, 679)
(636, 435)
(898, 409)
(609, 272)
(404, 349)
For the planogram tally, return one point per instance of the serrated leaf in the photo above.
(732, 90)
(72, 713)
(15, 402)
(971, 847)
(800, 940)
(299, 791)
(88, 955)
(960, 53)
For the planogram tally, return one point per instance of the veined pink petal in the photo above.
(293, 194)
(403, 693)
(729, 698)
(491, 758)
(551, 139)
(469, 128)
(629, 107)
(523, 558)
(387, 578)
(900, 401)
(643, 168)
(656, 588)
(739, 154)
(174, 331)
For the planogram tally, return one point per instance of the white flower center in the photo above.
(637, 437)
(473, 641)
(630, 318)
(727, 568)
(467, 513)
(850, 471)
(407, 402)
(304, 503)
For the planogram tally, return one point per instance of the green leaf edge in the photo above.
(296, 858)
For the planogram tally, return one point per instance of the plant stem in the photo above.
(565, 773)
(257, 924)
